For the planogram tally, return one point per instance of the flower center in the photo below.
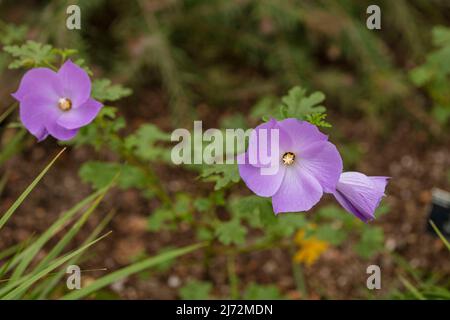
(288, 158)
(65, 104)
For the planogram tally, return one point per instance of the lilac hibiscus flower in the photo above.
(360, 194)
(306, 166)
(56, 103)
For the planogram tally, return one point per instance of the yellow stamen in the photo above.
(65, 104)
(288, 158)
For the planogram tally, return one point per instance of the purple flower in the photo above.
(56, 103)
(360, 194)
(306, 166)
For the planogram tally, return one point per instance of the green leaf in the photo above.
(143, 143)
(103, 90)
(99, 174)
(30, 55)
(222, 174)
(257, 211)
(333, 213)
(159, 218)
(103, 131)
(371, 242)
(203, 204)
(266, 108)
(183, 205)
(441, 113)
(420, 75)
(256, 291)
(204, 234)
(287, 224)
(231, 232)
(196, 290)
(332, 234)
(11, 33)
(318, 119)
(441, 36)
(298, 105)
(382, 210)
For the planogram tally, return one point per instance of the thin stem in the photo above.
(8, 111)
(155, 182)
(232, 277)
(50, 65)
(298, 274)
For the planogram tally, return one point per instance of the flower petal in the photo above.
(323, 161)
(360, 194)
(261, 150)
(41, 82)
(302, 133)
(59, 132)
(35, 112)
(75, 82)
(380, 182)
(299, 191)
(348, 206)
(81, 116)
(263, 185)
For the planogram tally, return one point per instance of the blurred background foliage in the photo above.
(221, 52)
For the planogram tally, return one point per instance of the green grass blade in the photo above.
(5, 267)
(3, 182)
(127, 271)
(412, 289)
(5, 217)
(439, 233)
(47, 286)
(29, 254)
(8, 111)
(31, 279)
(13, 146)
(9, 251)
(59, 247)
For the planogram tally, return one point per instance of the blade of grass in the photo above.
(127, 271)
(3, 182)
(59, 247)
(8, 111)
(4, 269)
(5, 217)
(28, 280)
(412, 288)
(46, 287)
(439, 233)
(9, 251)
(12, 146)
(28, 255)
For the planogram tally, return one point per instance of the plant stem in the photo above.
(299, 276)
(8, 111)
(232, 277)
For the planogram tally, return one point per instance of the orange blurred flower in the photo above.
(309, 249)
